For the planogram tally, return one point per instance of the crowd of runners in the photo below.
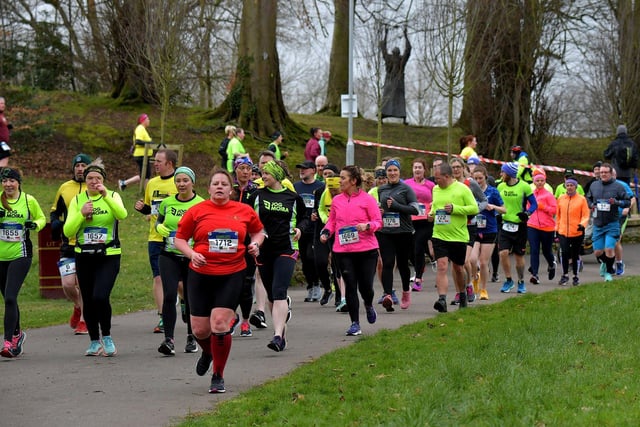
(229, 258)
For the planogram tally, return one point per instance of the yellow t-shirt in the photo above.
(157, 190)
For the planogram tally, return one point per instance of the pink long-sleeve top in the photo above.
(543, 218)
(423, 192)
(346, 212)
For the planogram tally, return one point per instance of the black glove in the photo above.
(56, 229)
(581, 228)
(522, 216)
(30, 225)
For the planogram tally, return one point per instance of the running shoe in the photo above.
(245, 330)
(619, 268)
(551, 270)
(507, 286)
(535, 280)
(339, 307)
(109, 346)
(7, 349)
(495, 278)
(326, 296)
(203, 364)
(317, 293)
(463, 300)
(81, 329)
(484, 295)
(258, 320)
(456, 299)
(289, 313)
(75, 317)
(18, 341)
(121, 185)
(522, 289)
(441, 305)
(406, 300)
(563, 280)
(387, 303)
(394, 298)
(277, 344)
(372, 316)
(159, 329)
(95, 348)
(217, 384)
(233, 324)
(608, 277)
(434, 266)
(603, 269)
(167, 347)
(471, 296)
(576, 281)
(381, 298)
(191, 346)
(354, 330)
(417, 285)
(309, 297)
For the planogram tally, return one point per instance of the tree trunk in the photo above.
(339, 61)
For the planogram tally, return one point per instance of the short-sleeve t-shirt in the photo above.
(219, 233)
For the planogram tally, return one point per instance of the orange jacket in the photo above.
(572, 211)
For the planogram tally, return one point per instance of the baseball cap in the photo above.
(306, 165)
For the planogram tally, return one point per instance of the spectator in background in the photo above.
(326, 136)
(5, 127)
(313, 148)
(468, 145)
(235, 149)
(276, 141)
(622, 153)
(524, 165)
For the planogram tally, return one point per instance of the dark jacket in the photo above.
(598, 198)
(623, 155)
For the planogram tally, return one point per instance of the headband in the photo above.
(570, 181)
(274, 170)
(11, 174)
(392, 162)
(187, 171)
(242, 161)
(95, 168)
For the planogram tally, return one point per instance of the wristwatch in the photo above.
(368, 226)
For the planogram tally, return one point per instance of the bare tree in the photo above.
(338, 83)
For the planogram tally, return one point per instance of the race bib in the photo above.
(170, 241)
(223, 241)
(391, 219)
(308, 199)
(510, 227)
(11, 232)
(348, 235)
(442, 217)
(94, 235)
(155, 205)
(67, 266)
(481, 221)
(603, 206)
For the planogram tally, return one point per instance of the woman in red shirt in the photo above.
(218, 227)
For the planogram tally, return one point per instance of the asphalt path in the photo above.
(54, 384)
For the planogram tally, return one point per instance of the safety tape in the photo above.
(482, 159)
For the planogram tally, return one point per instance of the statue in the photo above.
(393, 102)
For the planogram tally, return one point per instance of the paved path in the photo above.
(53, 384)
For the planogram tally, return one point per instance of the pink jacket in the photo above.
(543, 218)
(347, 211)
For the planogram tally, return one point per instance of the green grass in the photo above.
(560, 358)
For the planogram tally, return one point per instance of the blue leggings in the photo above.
(12, 275)
(537, 239)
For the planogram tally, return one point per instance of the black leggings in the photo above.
(97, 275)
(248, 285)
(305, 245)
(12, 275)
(570, 249)
(173, 269)
(395, 250)
(358, 270)
(424, 230)
(276, 272)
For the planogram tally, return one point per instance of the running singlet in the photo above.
(515, 199)
(170, 213)
(219, 233)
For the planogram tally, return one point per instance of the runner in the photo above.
(541, 229)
